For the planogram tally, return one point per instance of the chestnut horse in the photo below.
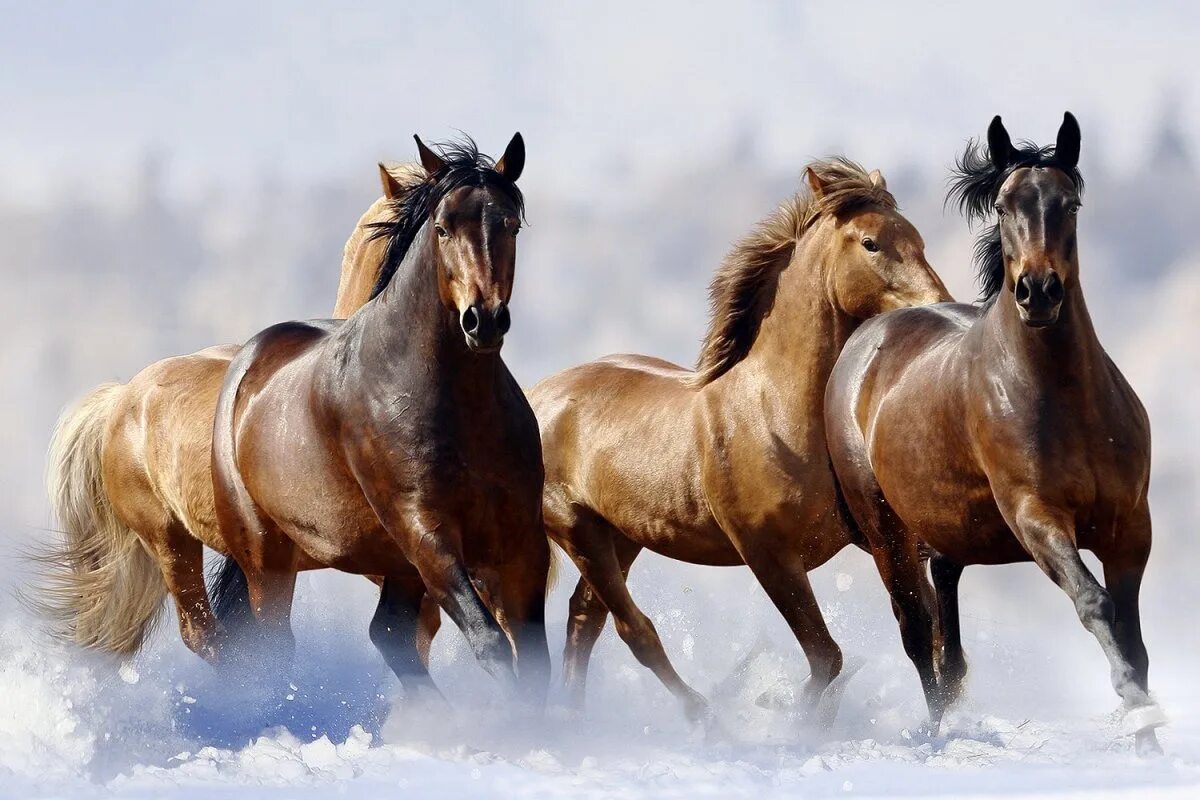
(727, 465)
(1002, 432)
(397, 443)
(131, 486)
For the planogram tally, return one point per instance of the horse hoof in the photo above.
(1143, 718)
(1145, 744)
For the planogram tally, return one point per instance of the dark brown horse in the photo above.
(1001, 432)
(727, 465)
(397, 443)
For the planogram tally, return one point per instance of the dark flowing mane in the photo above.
(464, 166)
(743, 289)
(974, 185)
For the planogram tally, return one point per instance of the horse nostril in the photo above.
(503, 319)
(470, 321)
(1052, 286)
(1024, 289)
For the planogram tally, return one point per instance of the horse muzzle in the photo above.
(484, 328)
(1039, 298)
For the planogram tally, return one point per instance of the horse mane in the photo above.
(974, 186)
(743, 289)
(464, 166)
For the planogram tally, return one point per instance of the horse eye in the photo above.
(870, 245)
(999, 210)
(1073, 209)
(440, 231)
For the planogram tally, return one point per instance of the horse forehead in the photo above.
(889, 221)
(1033, 184)
(474, 201)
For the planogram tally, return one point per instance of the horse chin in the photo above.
(478, 347)
(1038, 321)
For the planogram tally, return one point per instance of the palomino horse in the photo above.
(130, 480)
(397, 443)
(1002, 433)
(727, 465)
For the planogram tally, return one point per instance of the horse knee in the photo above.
(1095, 607)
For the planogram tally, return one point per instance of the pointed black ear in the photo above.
(512, 163)
(430, 160)
(1000, 147)
(1066, 149)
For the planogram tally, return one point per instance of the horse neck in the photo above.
(804, 331)
(409, 337)
(1064, 358)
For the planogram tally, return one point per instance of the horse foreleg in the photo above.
(430, 548)
(953, 665)
(522, 595)
(1123, 580)
(396, 633)
(784, 577)
(1049, 538)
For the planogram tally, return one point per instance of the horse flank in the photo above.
(742, 291)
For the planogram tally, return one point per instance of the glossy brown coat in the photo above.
(397, 443)
(1001, 433)
(727, 465)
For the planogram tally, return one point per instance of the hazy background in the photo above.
(174, 177)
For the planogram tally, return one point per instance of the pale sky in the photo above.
(230, 91)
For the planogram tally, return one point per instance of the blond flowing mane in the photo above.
(743, 288)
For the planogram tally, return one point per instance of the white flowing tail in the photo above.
(103, 589)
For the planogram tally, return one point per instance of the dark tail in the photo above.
(229, 594)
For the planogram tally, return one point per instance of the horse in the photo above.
(130, 483)
(726, 465)
(1001, 432)
(397, 443)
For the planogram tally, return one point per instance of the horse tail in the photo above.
(229, 593)
(103, 589)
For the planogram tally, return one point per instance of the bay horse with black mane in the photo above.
(727, 465)
(1002, 432)
(397, 443)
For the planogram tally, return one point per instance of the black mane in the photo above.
(974, 185)
(464, 166)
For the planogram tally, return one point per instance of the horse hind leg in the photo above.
(585, 622)
(952, 666)
(590, 544)
(181, 558)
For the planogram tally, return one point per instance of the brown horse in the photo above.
(130, 480)
(397, 443)
(727, 465)
(1004, 432)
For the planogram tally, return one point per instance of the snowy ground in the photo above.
(1037, 722)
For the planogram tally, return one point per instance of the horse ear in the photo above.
(877, 179)
(999, 145)
(512, 163)
(430, 160)
(391, 187)
(1066, 149)
(814, 183)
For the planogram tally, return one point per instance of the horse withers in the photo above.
(1002, 432)
(727, 465)
(397, 443)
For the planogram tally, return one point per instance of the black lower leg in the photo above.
(953, 662)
